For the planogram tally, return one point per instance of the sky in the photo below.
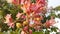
(53, 3)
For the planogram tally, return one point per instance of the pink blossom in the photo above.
(47, 24)
(50, 22)
(23, 16)
(8, 18)
(25, 28)
(22, 1)
(37, 28)
(18, 15)
(11, 25)
(16, 2)
(30, 31)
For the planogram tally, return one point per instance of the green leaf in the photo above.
(47, 32)
(54, 29)
(57, 8)
(40, 32)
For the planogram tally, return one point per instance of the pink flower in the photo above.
(8, 18)
(47, 24)
(30, 31)
(25, 28)
(18, 15)
(40, 1)
(14, 2)
(22, 1)
(50, 22)
(32, 7)
(23, 16)
(11, 25)
(29, 7)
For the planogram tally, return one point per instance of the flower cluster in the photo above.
(9, 20)
(35, 15)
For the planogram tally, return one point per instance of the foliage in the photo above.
(57, 8)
